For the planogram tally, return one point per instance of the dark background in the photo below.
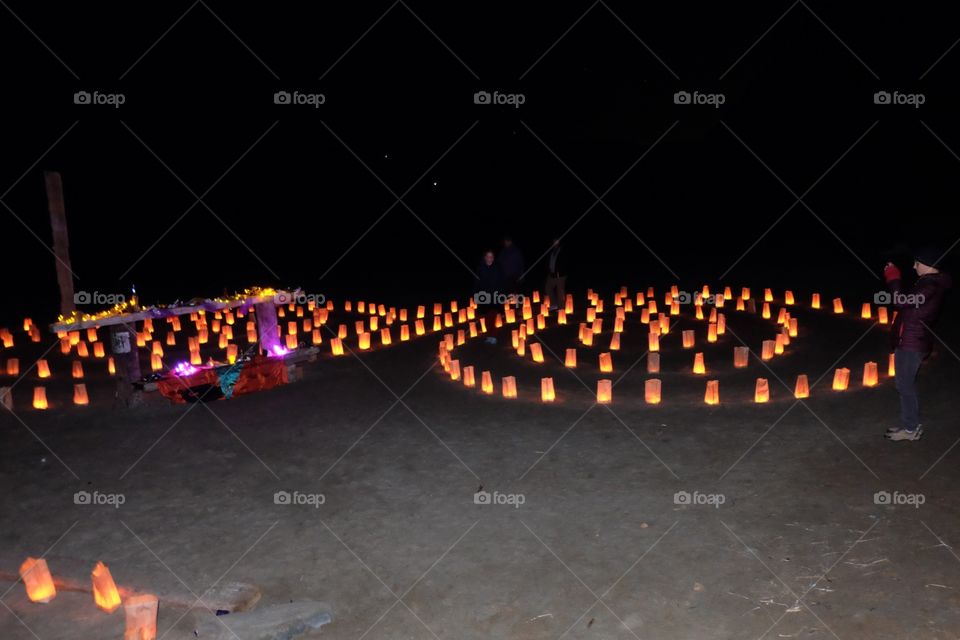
(291, 193)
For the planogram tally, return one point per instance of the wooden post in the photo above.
(267, 326)
(61, 244)
(123, 342)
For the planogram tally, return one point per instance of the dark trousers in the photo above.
(907, 364)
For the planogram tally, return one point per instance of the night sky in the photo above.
(798, 179)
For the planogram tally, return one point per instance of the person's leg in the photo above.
(549, 290)
(907, 364)
(561, 291)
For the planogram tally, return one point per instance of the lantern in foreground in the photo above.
(870, 374)
(653, 342)
(105, 593)
(615, 342)
(141, 617)
(698, 366)
(604, 391)
(761, 392)
(536, 352)
(486, 382)
(509, 386)
(788, 297)
(712, 395)
(606, 363)
(336, 346)
(547, 393)
(653, 363)
(40, 398)
(364, 340)
(469, 379)
(841, 379)
(802, 390)
(768, 350)
(651, 391)
(571, 358)
(455, 370)
(37, 580)
(80, 397)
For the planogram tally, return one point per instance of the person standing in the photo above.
(487, 290)
(917, 309)
(511, 266)
(555, 286)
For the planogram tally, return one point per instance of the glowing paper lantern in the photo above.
(40, 398)
(815, 301)
(231, 353)
(712, 395)
(419, 328)
(837, 305)
(604, 391)
(768, 349)
(767, 295)
(802, 388)
(547, 393)
(336, 346)
(712, 330)
(82, 350)
(141, 617)
(653, 363)
(615, 342)
(793, 327)
(778, 344)
(882, 317)
(571, 358)
(536, 352)
(13, 367)
(587, 338)
(870, 374)
(891, 368)
(841, 379)
(195, 358)
(606, 363)
(469, 379)
(865, 311)
(741, 357)
(385, 337)
(454, 370)
(761, 392)
(156, 363)
(37, 580)
(486, 382)
(509, 386)
(653, 342)
(404, 332)
(698, 366)
(105, 593)
(364, 341)
(788, 297)
(688, 339)
(43, 369)
(80, 395)
(111, 366)
(651, 391)
(65, 346)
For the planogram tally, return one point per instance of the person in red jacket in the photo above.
(917, 309)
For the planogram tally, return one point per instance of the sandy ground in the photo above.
(599, 547)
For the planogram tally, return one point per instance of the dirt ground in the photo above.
(619, 521)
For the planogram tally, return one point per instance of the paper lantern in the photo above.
(664, 324)
(802, 388)
(778, 344)
(141, 617)
(231, 353)
(651, 391)
(82, 350)
(80, 395)
(606, 363)
(765, 313)
(74, 338)
(761, 392)
(40, 398)
(336, 346)
(509, 386)
(571, 358)
(870, 374)
(653, 363)
(13, 366)
(404, 332)
(342, 331)
(688, 339)
(741, 357)
(195, 358)
(882, 317)
(37, 580)
(653, 342)
(712, 395)
(793, 327)
(364, 341)
(156, 363)
(645, 316)
(105, 593)
(469, 379)
(712, 330)
(841, 379)
(587, 336)
(222, 341)
(767, 295)
(455, 370)
(768, 349)
(745, 293)
(547, 393)
(815, 301)
(419, 329)
(698, 366)
(65, 346)
(536, 352)
(719, 300)
(615, 342)
(597, 326)
(43, 369)
(486, 382)
(374, 323)
(604, 391)
(521, 347)
(837, 305)
(385, 338)
(111, 366)
(7, 338)
(740, 305)
(788, 297)
(891, 368)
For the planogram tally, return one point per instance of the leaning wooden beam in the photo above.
(61, 244)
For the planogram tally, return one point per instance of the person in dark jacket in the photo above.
(555, 285)
(511, 266)
(917, 309)
(488, 291)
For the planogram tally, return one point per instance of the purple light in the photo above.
(279, 350)
(184, 369)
